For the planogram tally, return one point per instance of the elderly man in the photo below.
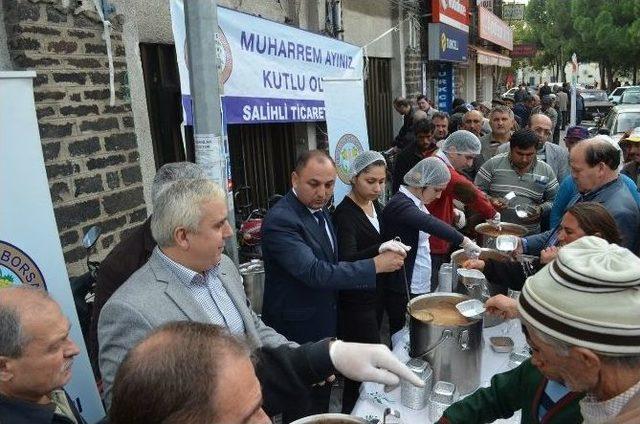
(134, 251)
(532, 180)
(36, 355)
(187, 278)
(472, 121)
(581, 314)
(557, 157)
(195, 372)
(594, 167)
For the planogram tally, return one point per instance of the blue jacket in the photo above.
(617, 199)
(402, 218)
(302, 273)
(568, 190)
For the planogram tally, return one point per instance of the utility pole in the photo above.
(201, 18)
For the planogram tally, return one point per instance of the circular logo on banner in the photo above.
(346, 151)
(443, 42)
(223, 54)
(16, 268)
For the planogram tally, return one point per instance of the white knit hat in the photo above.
(589, 297)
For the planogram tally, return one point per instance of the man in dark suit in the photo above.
(300, 256)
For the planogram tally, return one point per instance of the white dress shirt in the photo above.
(421, 277)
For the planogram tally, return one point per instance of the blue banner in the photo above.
(444, 94)
(447, 44)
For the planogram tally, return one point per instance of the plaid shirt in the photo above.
(209, 292)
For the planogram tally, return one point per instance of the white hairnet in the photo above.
(428, 172)
(363, 160)
(464, 142)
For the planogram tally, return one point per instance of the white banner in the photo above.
(270, 72)
(30, 250)
(346, 127)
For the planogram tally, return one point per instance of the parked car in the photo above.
(616, 94)
(620, 118)
(596, 104)
(510, 93)
(630, 97)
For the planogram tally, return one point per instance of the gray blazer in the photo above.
(557, 158)
(152, 297)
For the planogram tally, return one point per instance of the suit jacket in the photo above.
(126, 258)
(557, 157)
(302, 273)
(152, 297)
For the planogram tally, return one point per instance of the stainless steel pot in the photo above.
(253, 278)
(488, 232)
(454, 352)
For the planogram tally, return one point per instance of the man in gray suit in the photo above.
(557, 157)
(187, 278)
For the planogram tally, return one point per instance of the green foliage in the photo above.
(607, 32)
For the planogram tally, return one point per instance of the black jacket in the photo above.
(357, 238)
(15, 411)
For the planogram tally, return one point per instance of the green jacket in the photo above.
(518, 389)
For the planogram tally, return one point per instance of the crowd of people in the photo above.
(172, 325)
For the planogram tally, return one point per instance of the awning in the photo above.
(487, 57)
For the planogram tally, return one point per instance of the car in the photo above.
(631, 96)
(596, 104)
(508, 95)
(616, 94)
(620, 118)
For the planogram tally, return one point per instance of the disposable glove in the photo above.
(460, 220)
(394, 246)
(370, 362)
(471, 249)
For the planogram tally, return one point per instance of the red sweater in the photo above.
(463, 190)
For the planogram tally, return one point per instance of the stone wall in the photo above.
(89, 147)
(413, 72)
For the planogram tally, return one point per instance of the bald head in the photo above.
(542, 125)
(594, 163)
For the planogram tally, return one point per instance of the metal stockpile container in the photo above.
(253, 278)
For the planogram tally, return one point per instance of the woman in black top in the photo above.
(358, 231)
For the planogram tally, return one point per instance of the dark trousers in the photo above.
(564, 119)
(359, 317)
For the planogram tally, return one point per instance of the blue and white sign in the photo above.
(447, 44)
(269, 72)
(346, 127)
(444, 95)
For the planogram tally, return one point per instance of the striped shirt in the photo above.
(538, 186)
(208, 291)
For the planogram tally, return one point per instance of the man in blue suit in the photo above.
(300, 256)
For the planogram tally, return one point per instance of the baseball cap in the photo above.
(580, 133)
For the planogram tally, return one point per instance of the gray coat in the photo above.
(151, 297)
(557, 157)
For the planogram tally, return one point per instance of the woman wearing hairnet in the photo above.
(406, 217)
(358, 231)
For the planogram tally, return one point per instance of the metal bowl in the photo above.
(330, 419)
(506, 228)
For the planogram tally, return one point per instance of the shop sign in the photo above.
(451, 12)
(444, 89)
(513, 12)
(487, 4)
(524, 50)
(494, 29)
(269, 72)
(447, 44)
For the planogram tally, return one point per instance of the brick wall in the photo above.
(413, 72)
(89, 147)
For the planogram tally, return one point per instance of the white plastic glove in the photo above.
(394, 246)
(370, 362)
(459, 219)
(495, 221)
(471, 249)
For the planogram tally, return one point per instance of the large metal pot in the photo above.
(253, 278)
(330, 419)
(489, 232)
(455, 351)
